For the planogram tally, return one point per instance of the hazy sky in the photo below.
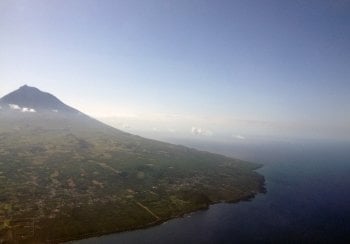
(233, 68)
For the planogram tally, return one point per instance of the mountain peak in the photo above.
(27, 89)
(25, 86)
(31, 97)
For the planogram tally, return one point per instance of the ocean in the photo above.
(307, 200)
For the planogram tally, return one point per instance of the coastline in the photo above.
(155, 223)
(247, 198)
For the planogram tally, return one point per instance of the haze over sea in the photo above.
(307, 199)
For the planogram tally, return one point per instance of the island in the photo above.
(66, 176)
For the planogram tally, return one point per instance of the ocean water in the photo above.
(307, 200)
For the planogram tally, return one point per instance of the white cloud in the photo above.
(14, 106)
(239, 137)
(200, 132)
(55, 110)
(29, 110)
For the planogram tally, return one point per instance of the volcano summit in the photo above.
(31, 97)
(65, 175)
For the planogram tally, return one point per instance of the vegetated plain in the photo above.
(64, 176)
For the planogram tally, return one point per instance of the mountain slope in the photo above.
(64, 175)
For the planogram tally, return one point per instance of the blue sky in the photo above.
(277, 68)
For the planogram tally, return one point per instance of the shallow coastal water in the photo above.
(307, 199)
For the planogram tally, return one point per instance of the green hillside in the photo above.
(65, 177)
